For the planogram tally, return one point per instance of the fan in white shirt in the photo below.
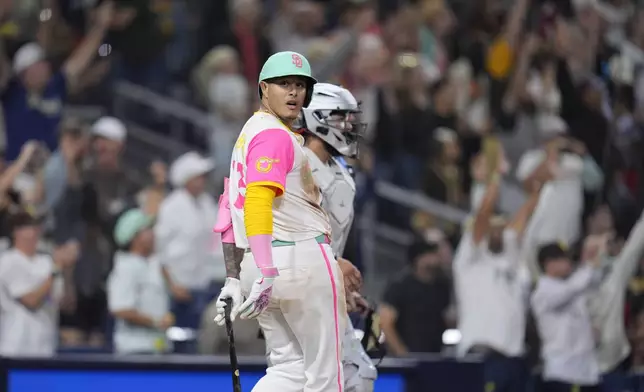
(606, 303)
(186, 247)
(559, 303)
(137, 294)
(491, 289)
(31, 286)
(567, 170)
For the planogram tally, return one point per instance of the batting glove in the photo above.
(258, 298)
(232, 290)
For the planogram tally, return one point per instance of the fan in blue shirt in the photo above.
(33, 98)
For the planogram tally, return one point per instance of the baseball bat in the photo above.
(231, 346)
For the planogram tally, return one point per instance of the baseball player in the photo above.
(331, 133)
(291, 281)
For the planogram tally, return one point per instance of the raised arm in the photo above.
(557, 296)
(535, 166)
(515, 22)
(486, 210)
(11, 173)
(522, 217)
(626, 263)
(83, 55)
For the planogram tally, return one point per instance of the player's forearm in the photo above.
(258, 220)
(232, 259)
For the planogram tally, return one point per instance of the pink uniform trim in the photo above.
(336, 321)
(270, 157)
(224, 223)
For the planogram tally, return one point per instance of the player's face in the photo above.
(341, 121)
(286, 96)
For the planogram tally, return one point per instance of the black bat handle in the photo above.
(229, 306)
(231, 346)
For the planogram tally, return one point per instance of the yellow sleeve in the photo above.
(258, 209)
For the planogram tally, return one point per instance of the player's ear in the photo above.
(264, 87)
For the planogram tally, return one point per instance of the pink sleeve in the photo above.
(224, 223)
(270, 157)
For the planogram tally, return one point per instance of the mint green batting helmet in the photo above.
(283, 64)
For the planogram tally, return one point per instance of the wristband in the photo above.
(270, 272)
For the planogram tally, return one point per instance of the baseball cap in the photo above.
(28, 55)
(188, 166)
(130, 224)
(110, 128)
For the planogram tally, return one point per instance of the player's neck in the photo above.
(319, 149)
(266, 109)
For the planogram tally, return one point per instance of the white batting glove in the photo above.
(258, 298)
(231, 289)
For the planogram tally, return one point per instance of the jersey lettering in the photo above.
(241, 185)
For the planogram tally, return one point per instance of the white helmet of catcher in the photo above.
(332, 116)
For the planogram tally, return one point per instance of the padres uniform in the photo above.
(306, 316)
(338, 193)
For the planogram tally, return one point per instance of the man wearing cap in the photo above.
(289, 276)
(559, 303)
(184, 240)
(88, 208)
(109, 136)
(137, 293)
(33, 100)
(113, 185)
(492, 284)
(567, 170)
(31, 286)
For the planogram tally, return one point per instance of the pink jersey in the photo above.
(267, 152)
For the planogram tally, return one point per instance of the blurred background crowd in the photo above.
(110, 106)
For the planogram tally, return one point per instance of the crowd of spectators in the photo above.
(531, 109)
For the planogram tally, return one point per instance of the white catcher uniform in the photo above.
(306, 316)
(338, 194)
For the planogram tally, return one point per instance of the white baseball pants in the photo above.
(305, 320)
